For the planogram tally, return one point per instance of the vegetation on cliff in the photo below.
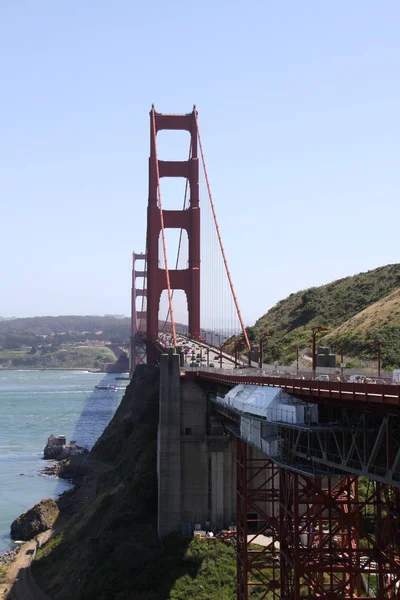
(110, 548)
(356, 310)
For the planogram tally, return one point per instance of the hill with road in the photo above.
(356, 311)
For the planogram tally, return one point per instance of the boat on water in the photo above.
(105, 387)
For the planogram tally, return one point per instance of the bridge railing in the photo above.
(366, 393)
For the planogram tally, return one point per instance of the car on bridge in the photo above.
(322, 378)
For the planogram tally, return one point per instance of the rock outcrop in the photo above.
(39, 518)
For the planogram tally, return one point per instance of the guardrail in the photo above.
(358, 393)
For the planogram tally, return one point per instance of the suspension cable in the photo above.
(181, 231)
(219, 236)
(162, 228)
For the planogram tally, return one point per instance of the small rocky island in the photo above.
(58, 449)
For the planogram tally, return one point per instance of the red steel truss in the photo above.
(328, 540)
(188, 219)
(257, 503)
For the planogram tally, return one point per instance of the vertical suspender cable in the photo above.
(162, 229)
(220, 239)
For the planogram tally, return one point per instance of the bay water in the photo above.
(34, 404)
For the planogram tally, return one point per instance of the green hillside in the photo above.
(331, 306)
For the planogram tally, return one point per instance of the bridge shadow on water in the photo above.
(99, 408)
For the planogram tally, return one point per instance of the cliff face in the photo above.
(98, 544)
(110, 548)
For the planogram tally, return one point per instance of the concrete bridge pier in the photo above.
(195, 461)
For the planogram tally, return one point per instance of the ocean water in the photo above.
(34, 404)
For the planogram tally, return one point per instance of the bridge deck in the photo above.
(358, 393)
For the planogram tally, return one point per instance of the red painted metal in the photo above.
(257, 503)
(138, 318)
(220, 238)
(322, 521)
(165, 327)
(164, 244)
(314, 526)
(346, 393)
(189, 219)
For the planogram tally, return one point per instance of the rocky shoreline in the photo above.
(53, 470)
(8, 556)
(66, 502)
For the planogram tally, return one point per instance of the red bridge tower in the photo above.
(159, 219)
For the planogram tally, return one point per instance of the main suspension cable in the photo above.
(162, 229)
(246, 339)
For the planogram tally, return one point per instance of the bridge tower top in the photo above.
(158, 219)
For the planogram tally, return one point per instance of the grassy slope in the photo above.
(82, 357)
(330, 306)
(380, 321)
(111, 548)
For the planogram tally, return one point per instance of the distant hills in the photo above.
(68, 327)
(62, 342)
(356, 310)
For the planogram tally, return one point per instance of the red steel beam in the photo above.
(347, 393)
(257, 503)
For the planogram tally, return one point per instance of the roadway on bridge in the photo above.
(197, 352)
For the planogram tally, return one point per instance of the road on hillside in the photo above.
(20, 584)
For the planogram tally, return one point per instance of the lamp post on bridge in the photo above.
(267, 334)
(378, 344)
(297, 358)
(238, 343)
(220, 353)
(315, 330)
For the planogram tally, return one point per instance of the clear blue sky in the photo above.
(299, 111)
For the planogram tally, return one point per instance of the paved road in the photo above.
(20, 584)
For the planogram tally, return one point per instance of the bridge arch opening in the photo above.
(180, 308)
(173, 193)
(173, 144)
(174, 240)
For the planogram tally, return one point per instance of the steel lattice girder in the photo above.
(332, 542)
(365, 444)
(257, 494)
(322, 523)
